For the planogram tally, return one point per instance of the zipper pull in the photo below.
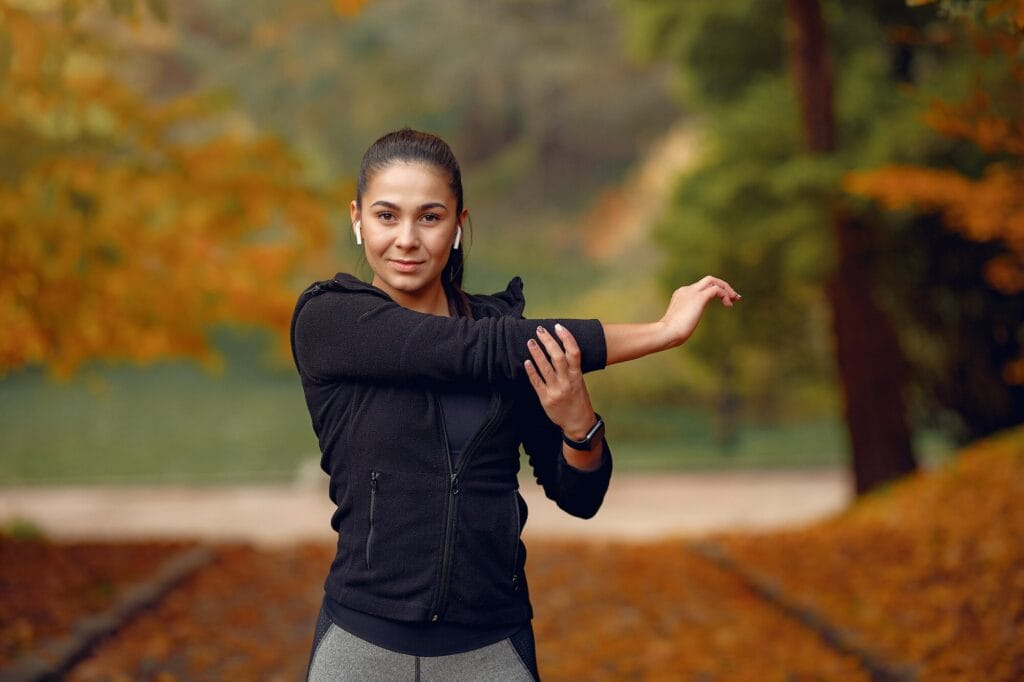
(373, 481)
(455, 484)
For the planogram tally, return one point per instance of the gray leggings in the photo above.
(339, 655)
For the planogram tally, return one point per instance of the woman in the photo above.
(420, 395)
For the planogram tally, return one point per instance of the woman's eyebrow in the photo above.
(394, 207)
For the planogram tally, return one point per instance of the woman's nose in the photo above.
(407, 236)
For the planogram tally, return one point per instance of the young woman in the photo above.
(420, 395)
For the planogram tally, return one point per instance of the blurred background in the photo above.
(173, 174)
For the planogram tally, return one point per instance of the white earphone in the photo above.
(458, 237)
(359, 232)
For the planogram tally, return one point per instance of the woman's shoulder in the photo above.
(511, 301)
(332, 297)
(343, 282)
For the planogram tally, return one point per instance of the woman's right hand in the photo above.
(687, 305)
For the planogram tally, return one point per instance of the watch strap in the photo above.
(587, 443)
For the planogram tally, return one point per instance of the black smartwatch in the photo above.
(596, 432)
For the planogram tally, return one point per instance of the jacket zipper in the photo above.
(515, 552)
(373, 500)
(453, 490)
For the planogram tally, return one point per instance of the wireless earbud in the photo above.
(359, 232)
(458, 236)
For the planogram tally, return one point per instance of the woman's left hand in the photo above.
(559, 382)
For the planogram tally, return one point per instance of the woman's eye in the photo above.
(385, 215)
(431, 217)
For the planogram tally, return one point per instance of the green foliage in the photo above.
(744, 214)
(754, 209)
(717, 48)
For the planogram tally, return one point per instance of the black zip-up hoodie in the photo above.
(416, 540)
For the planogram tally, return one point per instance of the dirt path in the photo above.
(603, 611)
(606, 608)
(637, 507)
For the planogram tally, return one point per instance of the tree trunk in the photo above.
(870, 363)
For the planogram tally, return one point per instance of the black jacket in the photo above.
(417, 541)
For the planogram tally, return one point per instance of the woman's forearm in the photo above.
(628, 341)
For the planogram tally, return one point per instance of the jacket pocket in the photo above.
(373, 503)
(400, 531)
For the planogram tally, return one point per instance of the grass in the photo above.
(168, 422)
(674, 439)
(172, 423)
(162, 424)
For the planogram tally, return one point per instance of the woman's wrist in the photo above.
(578, 429)
(666, 337)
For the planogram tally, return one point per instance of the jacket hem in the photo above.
(399, 610)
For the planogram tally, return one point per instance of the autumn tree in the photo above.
(987, 206)
(782, 126)
(130, 224)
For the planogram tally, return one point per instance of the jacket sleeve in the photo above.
(361, 336)
(575, 491)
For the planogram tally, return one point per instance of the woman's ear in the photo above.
(357, 226)
(463, 215)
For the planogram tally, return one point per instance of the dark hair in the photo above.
(410, 145)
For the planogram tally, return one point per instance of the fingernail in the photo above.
(559, 328)
(531, 343)
(541, 330)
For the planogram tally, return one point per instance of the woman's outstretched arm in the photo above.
(628, 341)
(363, 336)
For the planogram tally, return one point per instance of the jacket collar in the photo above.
(508, 302)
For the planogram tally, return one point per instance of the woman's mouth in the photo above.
(405, 265)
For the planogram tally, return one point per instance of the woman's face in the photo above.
(408, 224)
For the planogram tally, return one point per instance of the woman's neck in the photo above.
(431, 300)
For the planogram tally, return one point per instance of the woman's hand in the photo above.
(687, 305)
(559, 382)
(628, 341)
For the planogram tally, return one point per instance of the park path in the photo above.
(607, 607)
(639, 507)
(603, 611)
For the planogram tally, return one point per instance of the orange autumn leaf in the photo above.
(989, 208)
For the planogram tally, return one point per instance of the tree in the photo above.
(770, 182)
(130, 226)
(990, 207)
(872, 370)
